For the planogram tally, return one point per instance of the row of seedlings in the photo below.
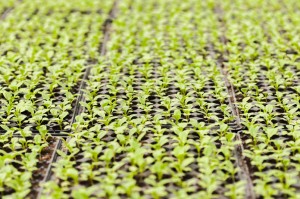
(259, 48)
(156, 120)
(45, 48)
(23, 165)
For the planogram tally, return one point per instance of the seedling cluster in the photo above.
(45, 51)
(263, 65)
(156, 99)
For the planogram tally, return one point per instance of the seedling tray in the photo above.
(42, 162)
(169, 99)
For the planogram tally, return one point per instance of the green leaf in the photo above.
(230, 136)
(7, 95)
(177, 115)
(269, 108)
(187, 162)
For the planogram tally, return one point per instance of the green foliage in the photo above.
(183, 98)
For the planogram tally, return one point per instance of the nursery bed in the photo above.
(164, 99)
(34, 168)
